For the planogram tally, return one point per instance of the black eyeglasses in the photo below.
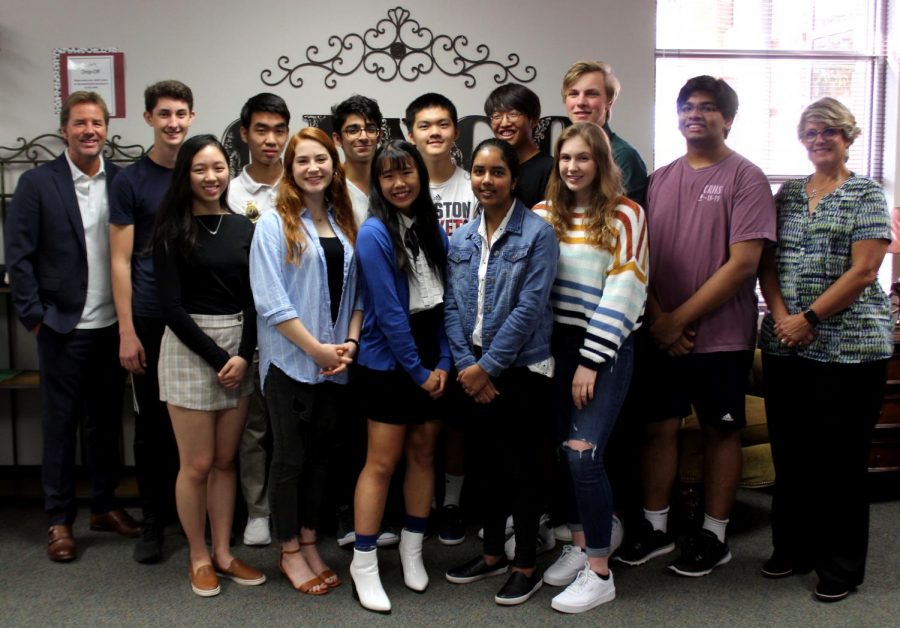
(354, 130)
(828, 133)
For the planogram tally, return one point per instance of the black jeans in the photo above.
(509, 433)
(303, 418)
(80, 378)
(155, 451)
(821, 417)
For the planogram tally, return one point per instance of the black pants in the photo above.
(303, 418)
(821, 417)
(508, 432)
(155, 451)
(80, 379)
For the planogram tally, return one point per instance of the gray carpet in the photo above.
(105, 587)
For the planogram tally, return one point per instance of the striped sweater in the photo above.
(601, 293)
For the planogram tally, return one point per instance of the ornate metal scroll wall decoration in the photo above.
(398, 46)
(48, 146)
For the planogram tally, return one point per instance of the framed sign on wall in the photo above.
(98, 70)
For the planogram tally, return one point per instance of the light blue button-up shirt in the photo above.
(283, 291)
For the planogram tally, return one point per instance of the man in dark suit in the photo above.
(57, 253)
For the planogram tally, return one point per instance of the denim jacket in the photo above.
(518, 317)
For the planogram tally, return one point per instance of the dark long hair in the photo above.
(393, 156)
(175, 225)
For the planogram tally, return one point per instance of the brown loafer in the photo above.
(117, 521)
(241, 572)
(61, 544)
(204, 581)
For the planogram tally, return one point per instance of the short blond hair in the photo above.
(580, 68)
(833, 113)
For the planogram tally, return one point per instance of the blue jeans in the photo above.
(589, 496)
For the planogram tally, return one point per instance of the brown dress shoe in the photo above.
(204, 581)
(117, 521)
(61, 544)
(240, 572)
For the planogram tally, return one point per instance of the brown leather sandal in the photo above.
(328, 576)
(307, 587)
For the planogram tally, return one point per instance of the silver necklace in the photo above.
(211, 231)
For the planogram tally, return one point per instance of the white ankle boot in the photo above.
(367, 583)
(414, 575)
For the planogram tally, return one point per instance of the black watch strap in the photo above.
(811, 317)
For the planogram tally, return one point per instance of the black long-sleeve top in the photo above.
(213, 279)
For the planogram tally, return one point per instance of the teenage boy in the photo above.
(57, 253)
(136, 197)
(357, 131)
(712, 213)
(589, 92)
(265, 121)
(431, 122)
(514, 111)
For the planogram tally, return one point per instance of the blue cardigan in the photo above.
(386, 338)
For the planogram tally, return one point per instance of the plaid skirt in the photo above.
(188, 381)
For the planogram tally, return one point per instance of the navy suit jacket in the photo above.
(46, 254)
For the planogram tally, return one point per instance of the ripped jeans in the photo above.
(589, 499)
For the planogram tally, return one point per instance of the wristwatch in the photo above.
(811, 317)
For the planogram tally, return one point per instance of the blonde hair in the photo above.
(833, 113)
(290, 201)
(606, 189)
(580, 68)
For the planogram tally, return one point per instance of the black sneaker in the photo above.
(519, 588)
(475, 570)
(452, 530)
(704, 553)
(644, 544)
(344, 528)
(831, 591)
(148, 549)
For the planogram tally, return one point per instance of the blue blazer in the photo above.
(46, 255)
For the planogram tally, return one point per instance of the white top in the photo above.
(454, 200)
(425, 288)
(360, 202)
(246, 196)
(93, 203)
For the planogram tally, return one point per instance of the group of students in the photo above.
(502, 303)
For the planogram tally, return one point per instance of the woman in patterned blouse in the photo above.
(826, 343)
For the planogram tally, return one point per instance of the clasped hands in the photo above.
(334, 358)
(793, 330)
(476, 383)
(671, 335)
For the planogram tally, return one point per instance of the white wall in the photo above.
(220, 52)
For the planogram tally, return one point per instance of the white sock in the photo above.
(716, 526)
(452, 489)
(659, 519)
(617, 533)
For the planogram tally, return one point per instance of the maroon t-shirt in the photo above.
(693, 217)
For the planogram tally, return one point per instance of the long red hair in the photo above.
(290, 202)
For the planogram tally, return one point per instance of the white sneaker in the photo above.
(546, 541)
(563, 533)
(386, 538)
(257, 531)
(617, 536)
(509, 529)
(566, 568)
(588, 591)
